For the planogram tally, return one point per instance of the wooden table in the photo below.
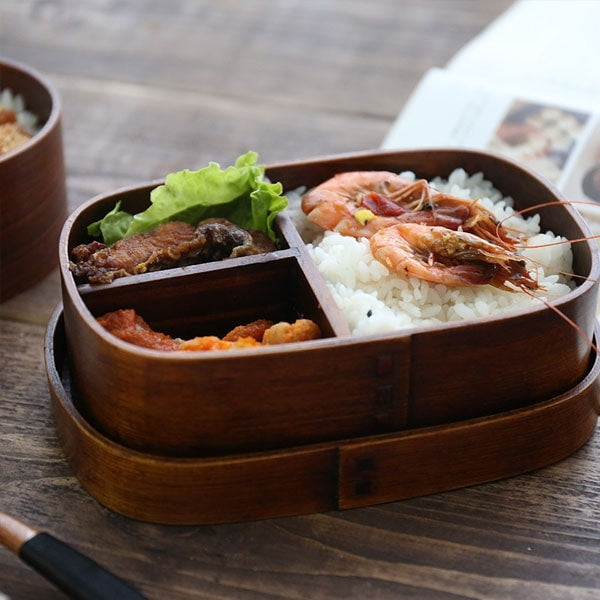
(151, 87)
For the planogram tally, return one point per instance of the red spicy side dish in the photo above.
(130, 327)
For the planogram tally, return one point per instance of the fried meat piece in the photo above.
(172, 244)
(259, 244)
(285, 333)
(255, 330)
(83, 252)
(212, 342)
(136, 253)
(128, 326)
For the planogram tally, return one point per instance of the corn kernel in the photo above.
(364, 216)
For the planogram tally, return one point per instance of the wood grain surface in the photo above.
(149, 87)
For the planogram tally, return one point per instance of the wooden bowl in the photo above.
(338, 387)
(32, 179)
(340, 474)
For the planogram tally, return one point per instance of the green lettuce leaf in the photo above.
(113, 226)
(238, 193)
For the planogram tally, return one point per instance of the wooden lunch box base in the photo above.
(342, 474)
(321, 391)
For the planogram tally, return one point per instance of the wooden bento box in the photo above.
(335, 422)
(33, 200)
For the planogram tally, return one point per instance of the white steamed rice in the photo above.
(12, 101)
(375, 300)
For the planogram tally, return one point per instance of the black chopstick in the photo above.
(74, 573)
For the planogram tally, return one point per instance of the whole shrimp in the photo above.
(453, 258)
(360, 203)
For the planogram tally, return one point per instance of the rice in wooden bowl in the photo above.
(32, 178)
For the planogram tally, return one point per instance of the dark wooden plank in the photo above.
(349, 56)
(149, 132)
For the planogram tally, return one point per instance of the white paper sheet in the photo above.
(528, 88)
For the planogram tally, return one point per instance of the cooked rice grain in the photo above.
(15, 102)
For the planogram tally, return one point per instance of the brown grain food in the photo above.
(12, 134)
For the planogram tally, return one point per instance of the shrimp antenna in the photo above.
(543, 205)
(560, 242)
(552, 203)
(575, 276)
(562, 315)
(550, 271)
